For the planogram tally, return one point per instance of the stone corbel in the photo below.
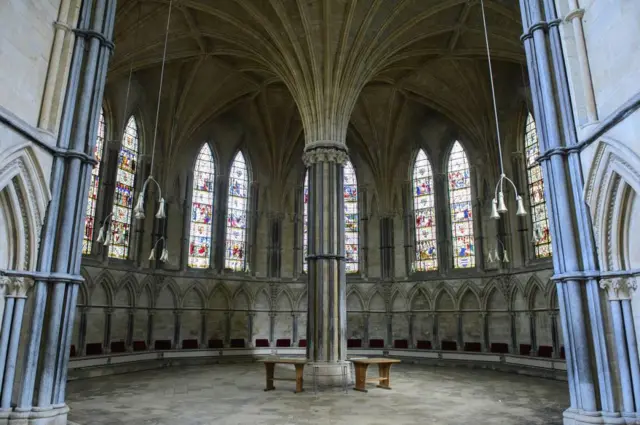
(619, 288)
(18, 287)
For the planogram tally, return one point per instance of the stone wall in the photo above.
(129, 308)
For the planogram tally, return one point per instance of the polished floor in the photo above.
(232, 394)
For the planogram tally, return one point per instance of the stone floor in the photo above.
(232, 394)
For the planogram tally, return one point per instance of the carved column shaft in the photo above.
(326, 323)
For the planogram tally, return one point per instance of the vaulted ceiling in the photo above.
(278, 59)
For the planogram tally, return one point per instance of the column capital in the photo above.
(619, 288)
(325, 152)
(109, 310)
(18, 286)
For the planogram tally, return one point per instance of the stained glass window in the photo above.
(123, 195)
(235, 248)
(350, 218)
(539, 217)
(425, 215)
(202, 209)
(461, 210)
(305, 222)
(89, 221)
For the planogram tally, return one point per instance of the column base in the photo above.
(578, 417)
(328, 374)
(53, 416)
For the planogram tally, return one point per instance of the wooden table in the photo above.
(270, 364)
(384, 367)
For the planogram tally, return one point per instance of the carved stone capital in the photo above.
(619, 288)
(324, 154)
(17, 287)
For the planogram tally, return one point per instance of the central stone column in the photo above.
(327, 308)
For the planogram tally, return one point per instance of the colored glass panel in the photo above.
(459, 177)
(425, 215)
(94, 182)
(237, 205)
(540, 219)
(350, 218)
(305, 222)
(202, 209)
(124, 192)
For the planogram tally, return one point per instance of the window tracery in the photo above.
(202, 209)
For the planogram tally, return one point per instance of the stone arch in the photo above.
(420, 300)
(125, 294)
(376, 301)
(494, 298)
(611, 194)
(219, 297)
(102, 291)
(354, 300)
(284, 301)
(24, 196)
(262, 300)
(533, 292)
(398, 301)
(241, 300)
(167, 296)
(301, 303)
(444, 298)
(145, 296)
(193, 297)
(469, 298)
(83, 289)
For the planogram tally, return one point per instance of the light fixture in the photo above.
(164, 256)
(498, 205)
(494, 256)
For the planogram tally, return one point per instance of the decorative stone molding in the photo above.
(577, 13)
(313, 156)
(619, 288)
(17, 287)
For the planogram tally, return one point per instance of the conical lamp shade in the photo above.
(506, 257)
(152, 256)
(139, 209)
(100, 235)
(521, 211)
(502, 208)
(494, 210)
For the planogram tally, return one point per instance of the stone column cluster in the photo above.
(327, 309)
(593, 398)
(40, 397)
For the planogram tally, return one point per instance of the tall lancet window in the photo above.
(350, 218)
(461, 208)
(202, 209)
(123, 195)
(237, 209)
(541, 236)
(89, 223)
(425, 215)
(305, 222)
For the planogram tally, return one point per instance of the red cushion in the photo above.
(401, 343)
(216, 343)
(118, 347)
(94, 349)
(72, 351)
(354, 343)
(545, 351)
(499, 347)
(376, 343)
(302, 343)
(283, 342)
(190, 344)
(237, 343)
(423, 345)
(162, 344)
(139, 345)
(473, 346)
(262, 342)
(562, 355)
(449, 345)
(525, 349)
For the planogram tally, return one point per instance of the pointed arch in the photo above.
(237, 215)
(535, 183)
(284, 301)
(420, 299)
(305, 221)
(468, 289)
(202, 193)
(123, 196)
(185, 299)
(219, 298)
(424, 211)
(94, 184)
(459, 176)
(354, 300)
(351, 218)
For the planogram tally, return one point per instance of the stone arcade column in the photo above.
(40, 399)
(327, 309)
(592, 394)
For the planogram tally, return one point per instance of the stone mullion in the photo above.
(443, 223)
(186, 230)
(220, 224)
(327, 279)
(409, 227)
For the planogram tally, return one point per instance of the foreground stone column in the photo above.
(327, 309)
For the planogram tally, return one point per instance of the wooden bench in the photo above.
(270, 364)
(384, 368)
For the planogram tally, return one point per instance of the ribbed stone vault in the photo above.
(325, 52)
